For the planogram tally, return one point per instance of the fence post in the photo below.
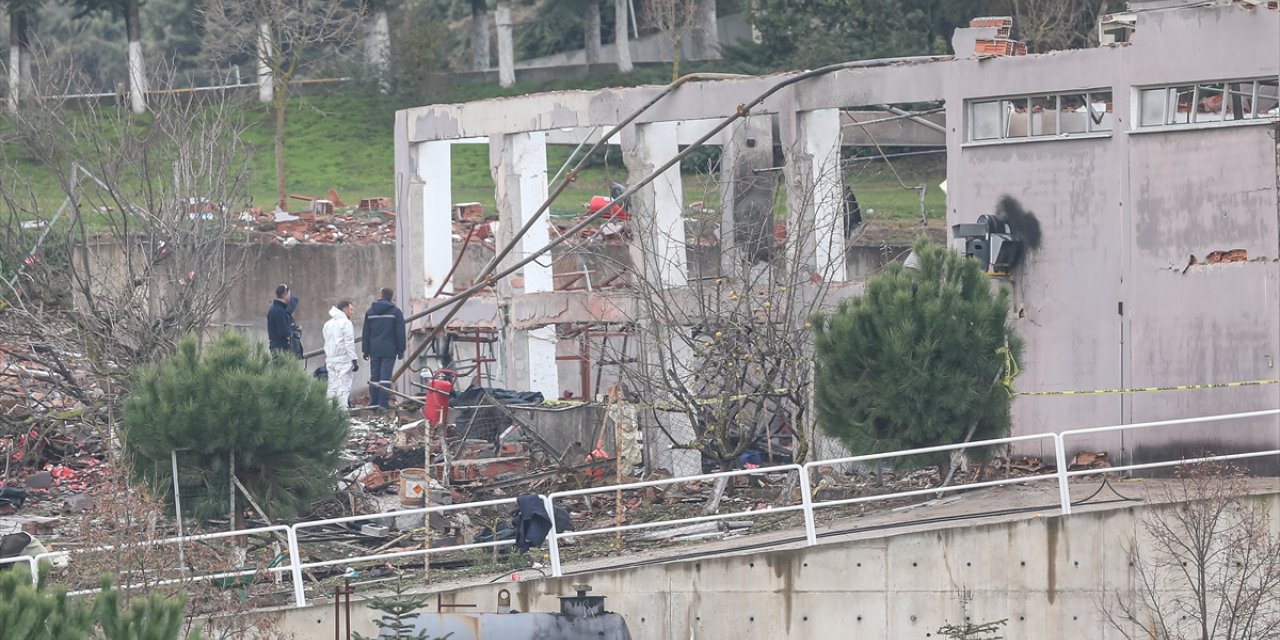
(553, 536)
(35, 571)
(295, 566)
(806, 499)
(1064, 491)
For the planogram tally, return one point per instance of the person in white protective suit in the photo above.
(340, 357)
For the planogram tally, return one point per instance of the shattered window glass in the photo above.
(1039, 116)
(1208, 102)
(1267, 103)
(1098, 109)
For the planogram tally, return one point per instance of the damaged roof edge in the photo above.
(606, 107)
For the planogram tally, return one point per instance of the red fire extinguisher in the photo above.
(435, 407)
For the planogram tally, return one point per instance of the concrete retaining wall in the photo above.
(1046, 575)
(320, 275)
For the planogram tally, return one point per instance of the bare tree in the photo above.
(673, 18)
(377, 42)
(479, 35)
(1046, 25)
(621, 37)
(21, 13)
(128, 9)
(727, 358)
(705, 36)
(144, 239)
(138, 245)
(1207, 567)
(591, 31)
(282, 36)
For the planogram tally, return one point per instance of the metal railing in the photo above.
(806, 504)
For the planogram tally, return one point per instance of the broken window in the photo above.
(1208, 102)
(1040, 116)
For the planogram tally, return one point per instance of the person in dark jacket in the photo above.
(281, 328)
(382, 342)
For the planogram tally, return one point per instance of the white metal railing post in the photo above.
(31, 562)
(806, 500)
(295, 566)
(40, 557)
(553, 536)
(177, 512)
(1064, 490)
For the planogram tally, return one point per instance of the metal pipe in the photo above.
(916, 117)
(177, 509)
(903, 116)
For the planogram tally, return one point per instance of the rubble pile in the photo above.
(347, 226)
(57, 464)
(50, 395)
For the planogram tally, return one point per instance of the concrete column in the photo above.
(506, 50)
(658, 251)
(266, 78)
(658, 208)
(746, 197)
(434, 170)
(815, 232)
(519, 165)
(621, 37)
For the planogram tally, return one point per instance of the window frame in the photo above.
(1004, 106)
(1226, 88)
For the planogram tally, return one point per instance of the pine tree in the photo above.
(399, 612)
(231, 397)
(46, 613)
(922, 358)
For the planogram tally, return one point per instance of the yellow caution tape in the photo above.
(1007, 382)
(1181, 387)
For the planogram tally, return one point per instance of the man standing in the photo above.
(280, 325)
(382, 342)
(340, 352)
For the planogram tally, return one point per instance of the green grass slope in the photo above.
(344, 142)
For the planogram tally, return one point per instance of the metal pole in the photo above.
(806, 499)
(553, 541)
(231, 483)
(295, 567)
(177, 509)
(1064, 492)
(426, 498)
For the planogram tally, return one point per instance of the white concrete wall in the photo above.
(1045, 575)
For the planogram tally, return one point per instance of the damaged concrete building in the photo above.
(1141, 176)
